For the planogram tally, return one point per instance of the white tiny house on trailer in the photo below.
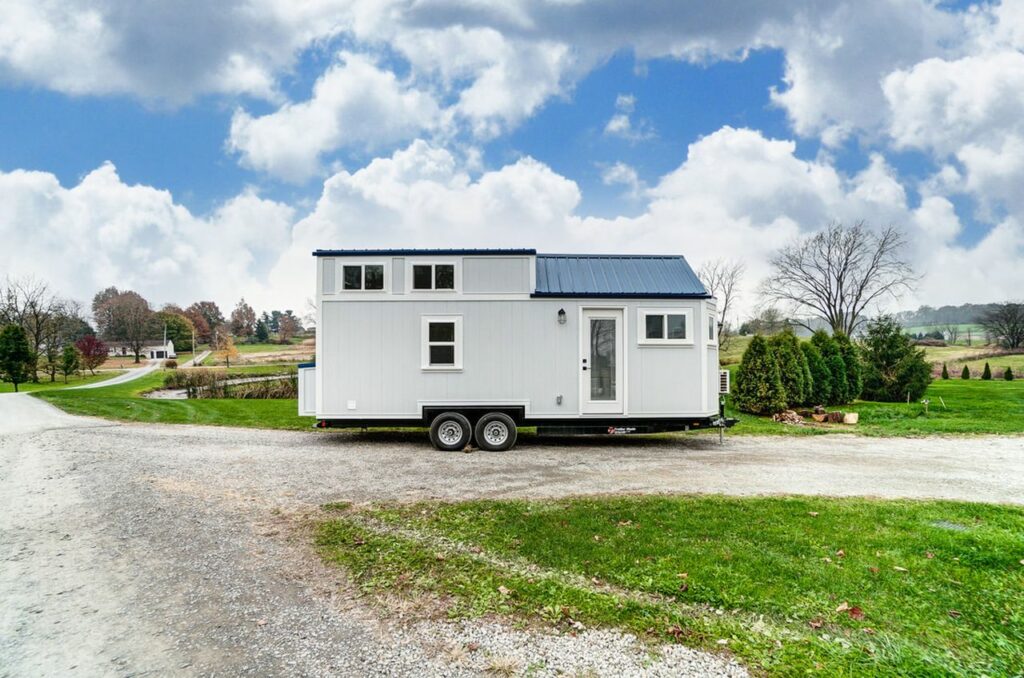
(476, 342)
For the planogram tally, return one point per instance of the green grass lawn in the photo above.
(956, 407)
(124, 402)
(46, 385)
(791, 586)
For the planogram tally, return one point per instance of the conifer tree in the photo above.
(821, 378)
(986, 374)
(1008, 374)
(966, 373)
(792, 366)
(840, 392)
(851, 359)
(945, 372)
(759, 387)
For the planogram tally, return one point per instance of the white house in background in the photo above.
(155, 350)
(474, 343)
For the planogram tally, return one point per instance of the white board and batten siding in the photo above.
(514, 351)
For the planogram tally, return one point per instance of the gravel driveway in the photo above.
(171, 549)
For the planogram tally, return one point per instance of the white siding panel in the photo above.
(513, 351)
(495, 275)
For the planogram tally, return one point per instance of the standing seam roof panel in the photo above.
(625, 275)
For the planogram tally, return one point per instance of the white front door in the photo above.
(601, 382)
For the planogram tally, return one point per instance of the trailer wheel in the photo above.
(495, 431)
(450, 431)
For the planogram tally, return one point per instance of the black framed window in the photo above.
(362, 277)
(433, 276)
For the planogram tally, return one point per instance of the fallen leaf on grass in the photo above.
(597, 537)
(841, 553)
(929, 555)
(595, 581)
(826, 559)
(683, 575)
(503, 590)
(873, 569)
(813, 514)
(675, 631)
(900, 569)
(843, 607)
(868, 630)
(684, 587)
(816, 623)
(856, 613)
(954, 613)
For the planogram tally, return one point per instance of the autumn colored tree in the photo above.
(93, 352)
(210, 313)
(287, 327)
(243, 320)
(204, 333)
(226, 347)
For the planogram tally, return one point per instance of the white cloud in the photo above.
(621, 124)
(970, 110)
(355, 103)
(736, 194)
(104, 232)
(164, 52)
(622, 174)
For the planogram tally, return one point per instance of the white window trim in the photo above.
(641, 331)
(425, 342)
(456, 263)
(713, 329)
(362, 266)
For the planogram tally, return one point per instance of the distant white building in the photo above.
(155, 350)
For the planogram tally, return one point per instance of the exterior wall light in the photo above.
(561, 316)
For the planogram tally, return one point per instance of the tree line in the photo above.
(42, 332)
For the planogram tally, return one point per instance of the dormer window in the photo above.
(368, 277)
(433, 276)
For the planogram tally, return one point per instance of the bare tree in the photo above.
(1005, 324)
(29, 303)
(952, 331)
(130, 320)
(722, 277)
(837, 273)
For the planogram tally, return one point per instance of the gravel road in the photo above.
(172, 550)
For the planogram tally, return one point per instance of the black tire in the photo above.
(495, 431)
(450, 431)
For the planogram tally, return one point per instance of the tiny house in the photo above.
(473, 343)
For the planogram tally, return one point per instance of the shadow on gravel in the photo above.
(529, 439)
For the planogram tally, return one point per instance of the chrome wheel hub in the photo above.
(450, 432)
(496, 433)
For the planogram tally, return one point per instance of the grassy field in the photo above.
(971, 407)
(124, 402)
(46, 385)
(955, 407)
(791, 586)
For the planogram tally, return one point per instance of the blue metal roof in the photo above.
(420, 252)
(608, 275)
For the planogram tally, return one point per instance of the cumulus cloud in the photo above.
(355, 103)
(164, 52)
(971, 110)
(104, 232)
(735, 193)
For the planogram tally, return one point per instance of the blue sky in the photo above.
(716, 131)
